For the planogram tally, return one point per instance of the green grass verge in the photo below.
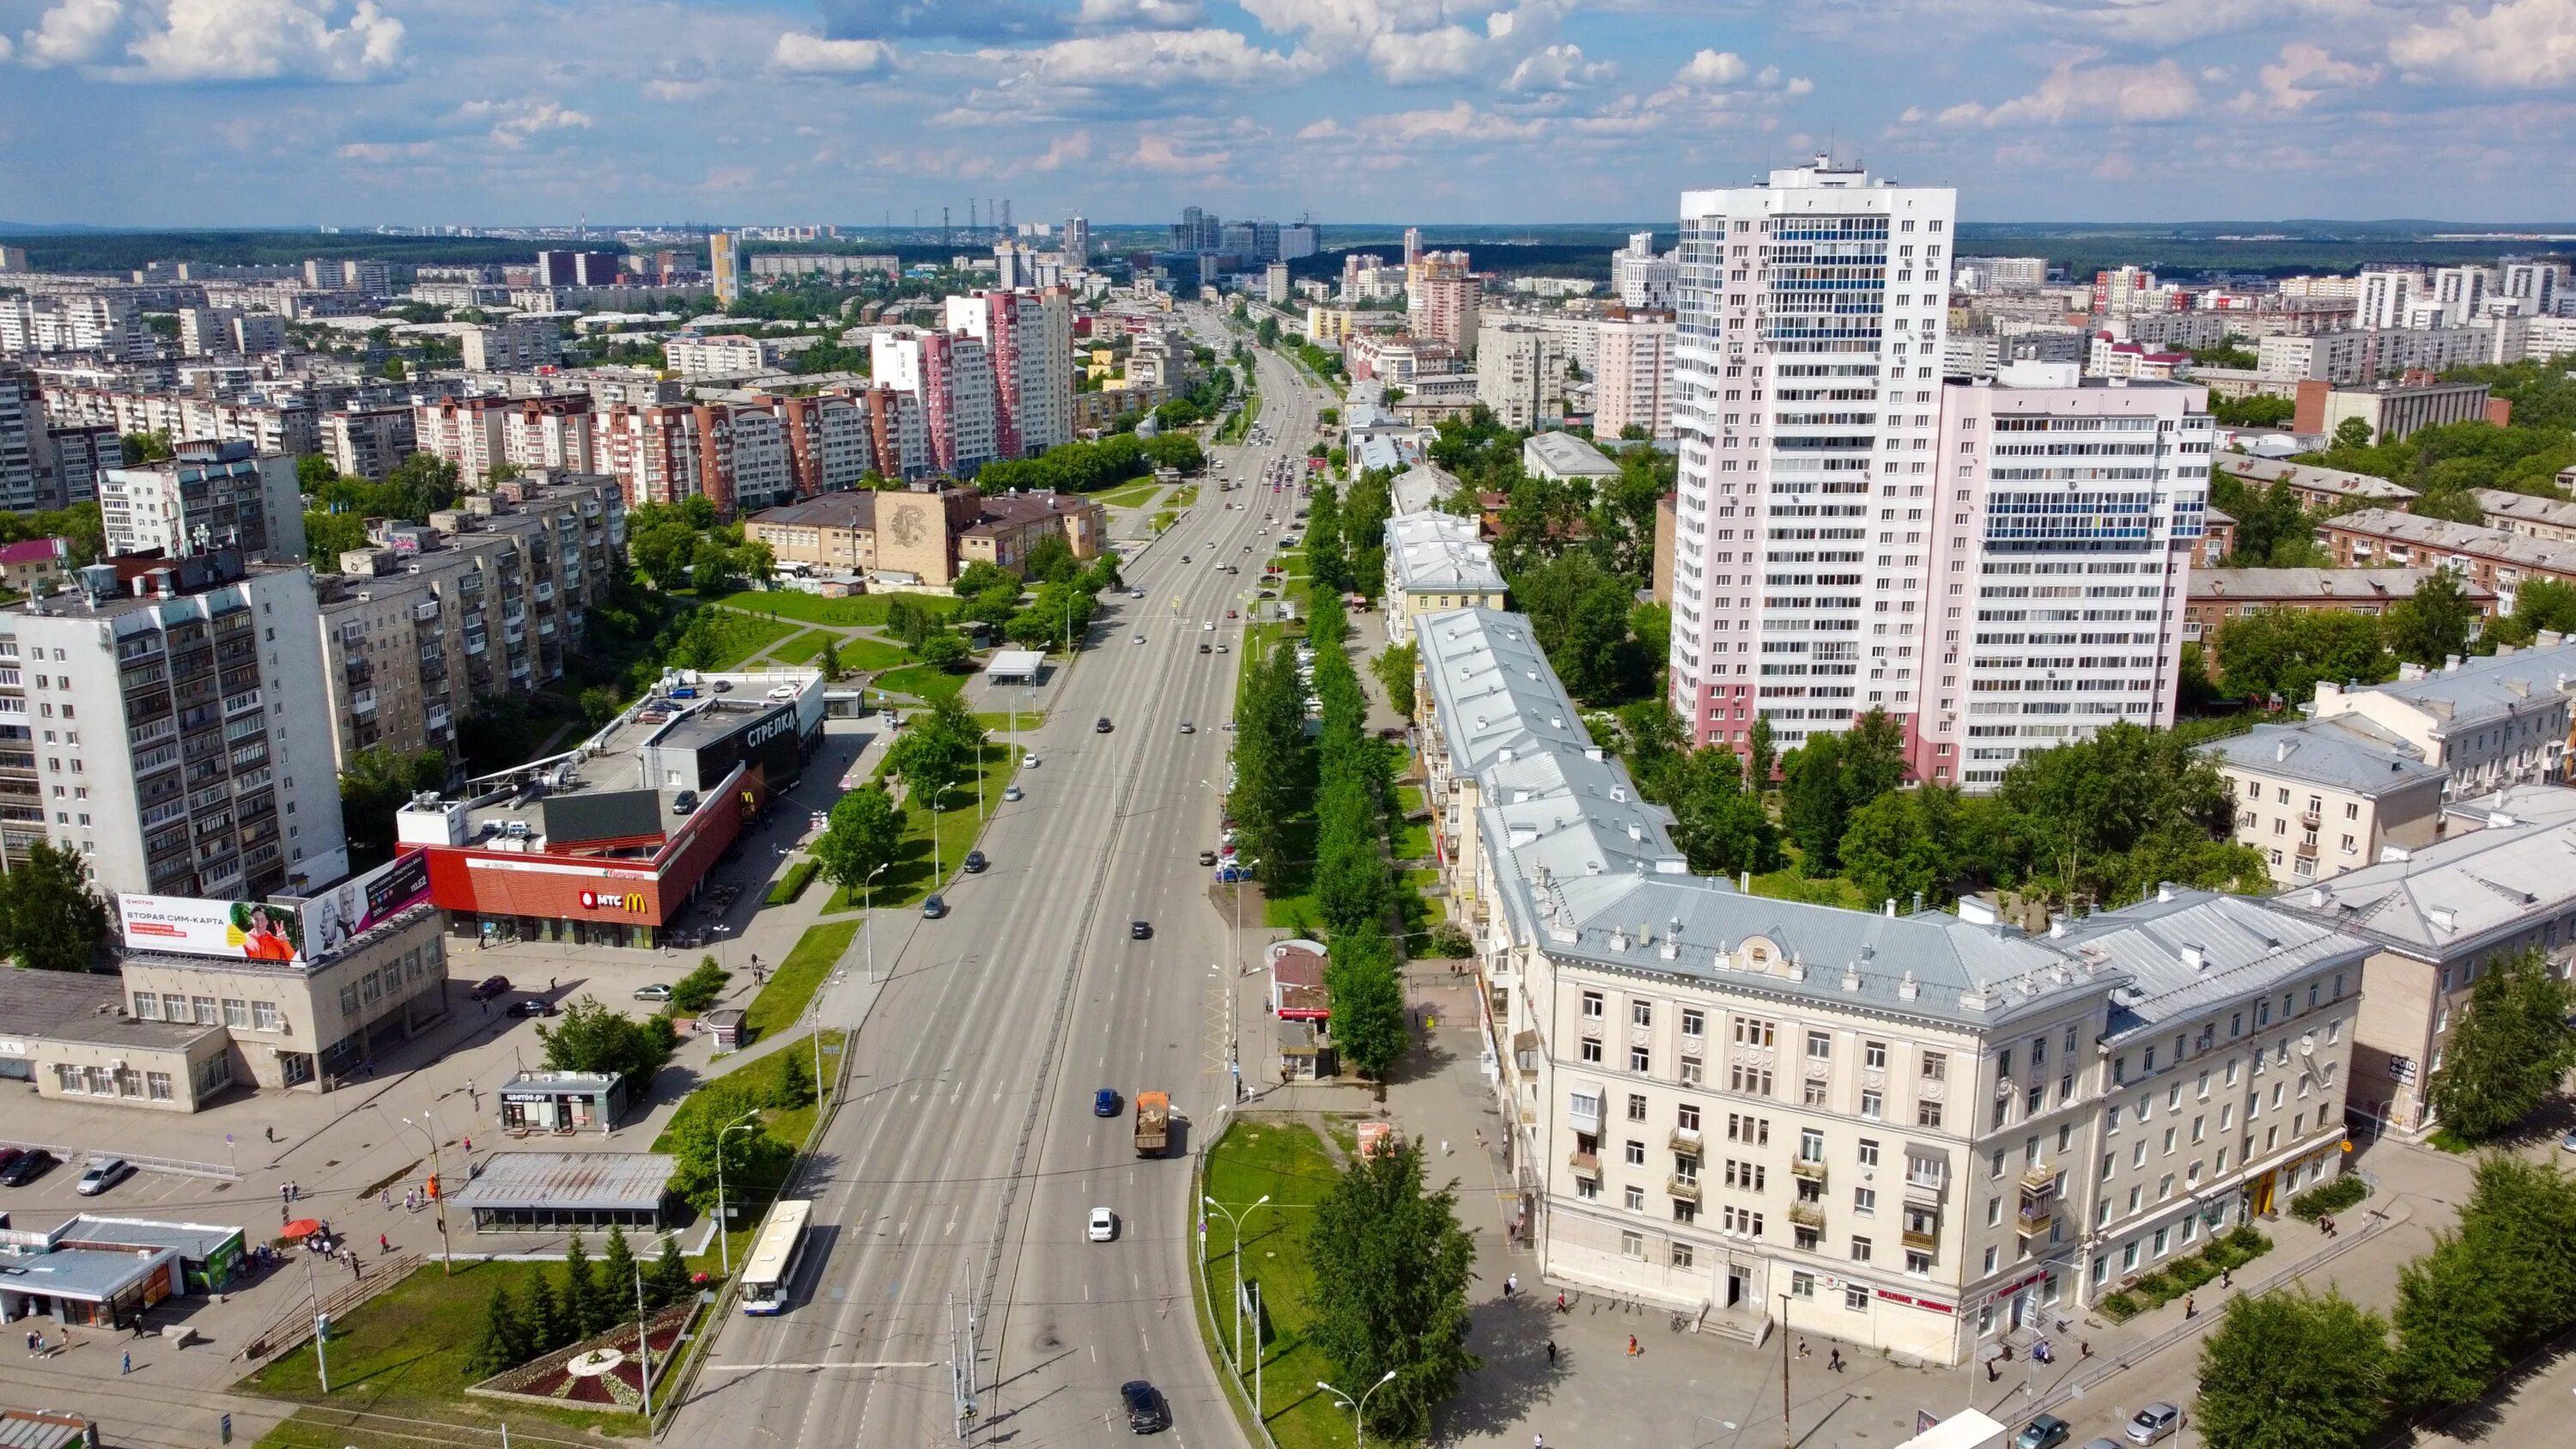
(1831, 890)
(1287, 1163)
(1186, 497)
(1002, 721)
(922, 681)
(1163, 521)
(911, 877)
(404, 1353)
(793, 884)
(868, 609)
(783, 1000)
(792, 1124)
(800, 649)
(739, 636)
(873, 654)
(1130, 495)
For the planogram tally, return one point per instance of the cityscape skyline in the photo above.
(417, 111)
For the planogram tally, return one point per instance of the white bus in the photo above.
(771, 1267)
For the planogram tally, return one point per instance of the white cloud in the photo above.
(244, 40)
(383, 151)
(1713, 68)
(2074, 91)
(1142, 14)
(6, 46)
(2306, 72)
(1412, 57)
(1412, 42)
(1157, 152)
(1154, 61)
(2516, 44)
(800, 54)
(74, 32)
(526, 119)
(1066, 150)
(1559, 68)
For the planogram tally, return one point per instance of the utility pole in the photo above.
(1787, 1440)
(643, 1343)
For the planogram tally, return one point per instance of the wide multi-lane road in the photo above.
(962, 1170)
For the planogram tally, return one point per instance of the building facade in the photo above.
(1633, 385)
(2321, 798)
(207, 495)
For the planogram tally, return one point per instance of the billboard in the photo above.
(253, 931)
(341, 914)
(243, 930)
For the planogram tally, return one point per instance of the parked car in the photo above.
(31, 1164)
(9, 1158)
(684, 803)
(1207, 857)
(2045, 1432)
(489, 987)
(1145, 1413)
(1104, 1225)
(1104, 1103)
(654, 992)
(932, 908)
(2154, 1422)
(975, 862)
(104, 1173)
(532, 1006)
(1140, 930)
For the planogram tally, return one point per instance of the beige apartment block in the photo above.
(2328, 796)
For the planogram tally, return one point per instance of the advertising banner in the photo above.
(243, 930)
(351, 909)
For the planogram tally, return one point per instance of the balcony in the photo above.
(1925, 1241)
(1807, 1214)
(1812, 1171)
(424, 611)
(1686, 1140)
(1685, 1188)
(1587, 1164)
(1926, 1191)
(363, 702)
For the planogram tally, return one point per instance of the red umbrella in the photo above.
(300, 1228)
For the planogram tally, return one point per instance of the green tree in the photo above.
(503, 1343)
(2452, 1325)
(376, 783)
(51, 918)
(2435, 622)
(2288, 651)
(2106, 818)
(863, 833)
(1393, 667)
(699, 989)
(141, 448)
(2352, 433)
(1719, 824)
(618, 1272)
(667, 1281)
(1899, 845)
(792, 1084)
(1050, 560)
(2507, 1052)
(944, 650)
(550, 1326)
(1389, 1294)
(1761, 755)
(2292, 1371)
(755, 1161)
(1368, 1001)
(588, 1307)
(829, 661)
(1813, 808)
(590, 1037)
(980, 575)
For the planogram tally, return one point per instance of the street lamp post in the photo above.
(936, 868)
(643, 1341)
(724, 1243)
(1359, 1406)
(447, 1258)
(867, 916)
(725, 956)
(1234, 1223)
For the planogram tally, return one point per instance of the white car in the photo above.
(1028, 759)
(1104, 1225)
(1207, 626)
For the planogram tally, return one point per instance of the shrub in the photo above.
(2333, 1197)
(2156, 1286)
(798, 877)
(2121, 1307)
(699, 989)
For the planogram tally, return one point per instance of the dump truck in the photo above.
(1153, 1122)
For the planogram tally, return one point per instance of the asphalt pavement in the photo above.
(959, 1176)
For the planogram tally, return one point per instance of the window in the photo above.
(1694, 1022)
(2128, 1256)
(156, 1085)
(1856, 1299)
(1868, 1152)
(236, 1012)
(1592, 1006)
(2164, 1236)
(175, 1005)
(1587, 1187)
(1918, 1264)
(1754, 1032)
(1927, 1114)
(1865, 1201)
(1936, 1066)
(1745, 1176)
(1641, 1013)
(1873, 1055)
(1636, 1199)
(67, 1079)
(1632, 1245)
(1820, 1046)
(1636, 1153)
(263, 1015)
(147, 1005)
(1686, 1116)
(1813, 1094)
(1860, 1250)
(1682, 1254)
(1873, 1103)
(349, 1007)
(1743, 1222)
(1802, 1285)
(1753, 1081)
(1591, 1051)
(205, 1009)
(1755, 1131)
(1640, 1059)
(1811, 1145)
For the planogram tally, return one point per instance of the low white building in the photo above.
(1435, 562)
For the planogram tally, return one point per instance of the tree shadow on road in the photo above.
(1511, 1336)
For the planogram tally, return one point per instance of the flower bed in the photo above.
(2186, 1273)
(551, 1379)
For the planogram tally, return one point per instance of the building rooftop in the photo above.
(89, 1274)
(568, 1181)
(1495, 693)
(1440, 553)
(71, 1006)
(2464, 539)
(195, 1242)
(1566, 455)
(2336, 481)
(2472, 690)
(2459, 894)
(2326, 752)
(2317, 585)
(2496, 503)
(2187, 951)
(561, 1082)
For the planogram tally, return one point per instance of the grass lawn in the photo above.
(792, 1124)
(1002, 721)
(1412, 837)
(921, 681)
(1287, 1163)
(1163, 521)
(910, 877)
(1186, 497)
(783, 1000)
(1788, 885)
(801, 649)
(739, 636)
(872, 654)
(807, 608)
(404, 1351)
(1130, 495)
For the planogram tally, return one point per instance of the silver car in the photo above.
(2154, 1422)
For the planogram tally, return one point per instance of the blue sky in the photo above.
(246, 112)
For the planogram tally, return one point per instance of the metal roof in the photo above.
(1440, 553)
(563, 1181)
(196, 1242)
(2188, 951)
(1566, 455)
(2438, 901)
(2477, 689)
(2324, 752)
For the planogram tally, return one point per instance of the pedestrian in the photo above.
(1633, 1350)
(385, 1198)
(1991, 1375)
(2226, 1277)
(1511, 1284)
(127, 1365)
(1551, 1353)
(272, 1133)
(2083, 1350)
(550, 983)
(294, 1192)
(382, 1246)
(469, 1144)
(285, 1194)
(1560, 1300)
(2190, 1307)
(35, 1343)
(1834, 1361)
(1802, 1348)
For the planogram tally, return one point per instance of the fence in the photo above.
(174, 1166)
(289, 1329)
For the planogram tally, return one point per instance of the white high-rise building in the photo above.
(2385, 293)
(1077, 241)
(1633, 383)
(1642, 278)
(2062, 524)
(1811, 317)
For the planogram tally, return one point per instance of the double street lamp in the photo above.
(1359, 1406)
(724, 1243)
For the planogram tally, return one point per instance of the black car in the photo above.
(1140, 930)
(532, 1006)
(975, 862)
(1100, 726)
(1145, 1411)
(33, 1163)
(489, 987)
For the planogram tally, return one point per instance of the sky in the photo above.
(498, 112)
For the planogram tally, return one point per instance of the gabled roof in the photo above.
(2330, 753)
(2186, 951)
(2448, 899)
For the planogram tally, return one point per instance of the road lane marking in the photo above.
(744, 1368)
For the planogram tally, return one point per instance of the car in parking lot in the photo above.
(2154, 1422)
(1100, 726)
(104, 1173)
(1145, 1412)
(932, 908)
(488, 987)
(27, 1166)
(1104, 1225)
(1104, 1103)
(532, 1006)
(654, 992)
(2045, 1432)
(975, 862)
(686, 802)
(1140, 930)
